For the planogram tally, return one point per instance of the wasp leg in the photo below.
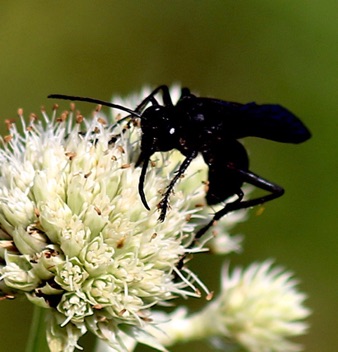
(151, 98)
(163, 205)
(253, 179)
(143, 159)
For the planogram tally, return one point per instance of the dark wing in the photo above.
(267, 121)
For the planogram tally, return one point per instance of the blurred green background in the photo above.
(266, 51)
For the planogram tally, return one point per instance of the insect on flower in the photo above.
(211, 127)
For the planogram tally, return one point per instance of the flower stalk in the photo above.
(37, 335)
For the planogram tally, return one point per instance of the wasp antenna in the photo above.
(95, 101)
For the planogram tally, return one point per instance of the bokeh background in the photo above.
(265, 51)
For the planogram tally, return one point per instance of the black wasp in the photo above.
(211, 127)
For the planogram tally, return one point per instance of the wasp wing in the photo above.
(267, 121)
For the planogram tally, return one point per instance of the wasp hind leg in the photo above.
(253, 179)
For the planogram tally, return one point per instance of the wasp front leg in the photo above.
(163, 205)
(151, 98)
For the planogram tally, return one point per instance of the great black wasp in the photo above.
(211, 127)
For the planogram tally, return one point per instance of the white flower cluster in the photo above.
(76, 239)
(75, 236)
(257, 308)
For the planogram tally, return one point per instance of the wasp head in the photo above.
(159, 130)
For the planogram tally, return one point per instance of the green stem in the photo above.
(37, 334)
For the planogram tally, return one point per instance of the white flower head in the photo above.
(74, 235)
(258, 309)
